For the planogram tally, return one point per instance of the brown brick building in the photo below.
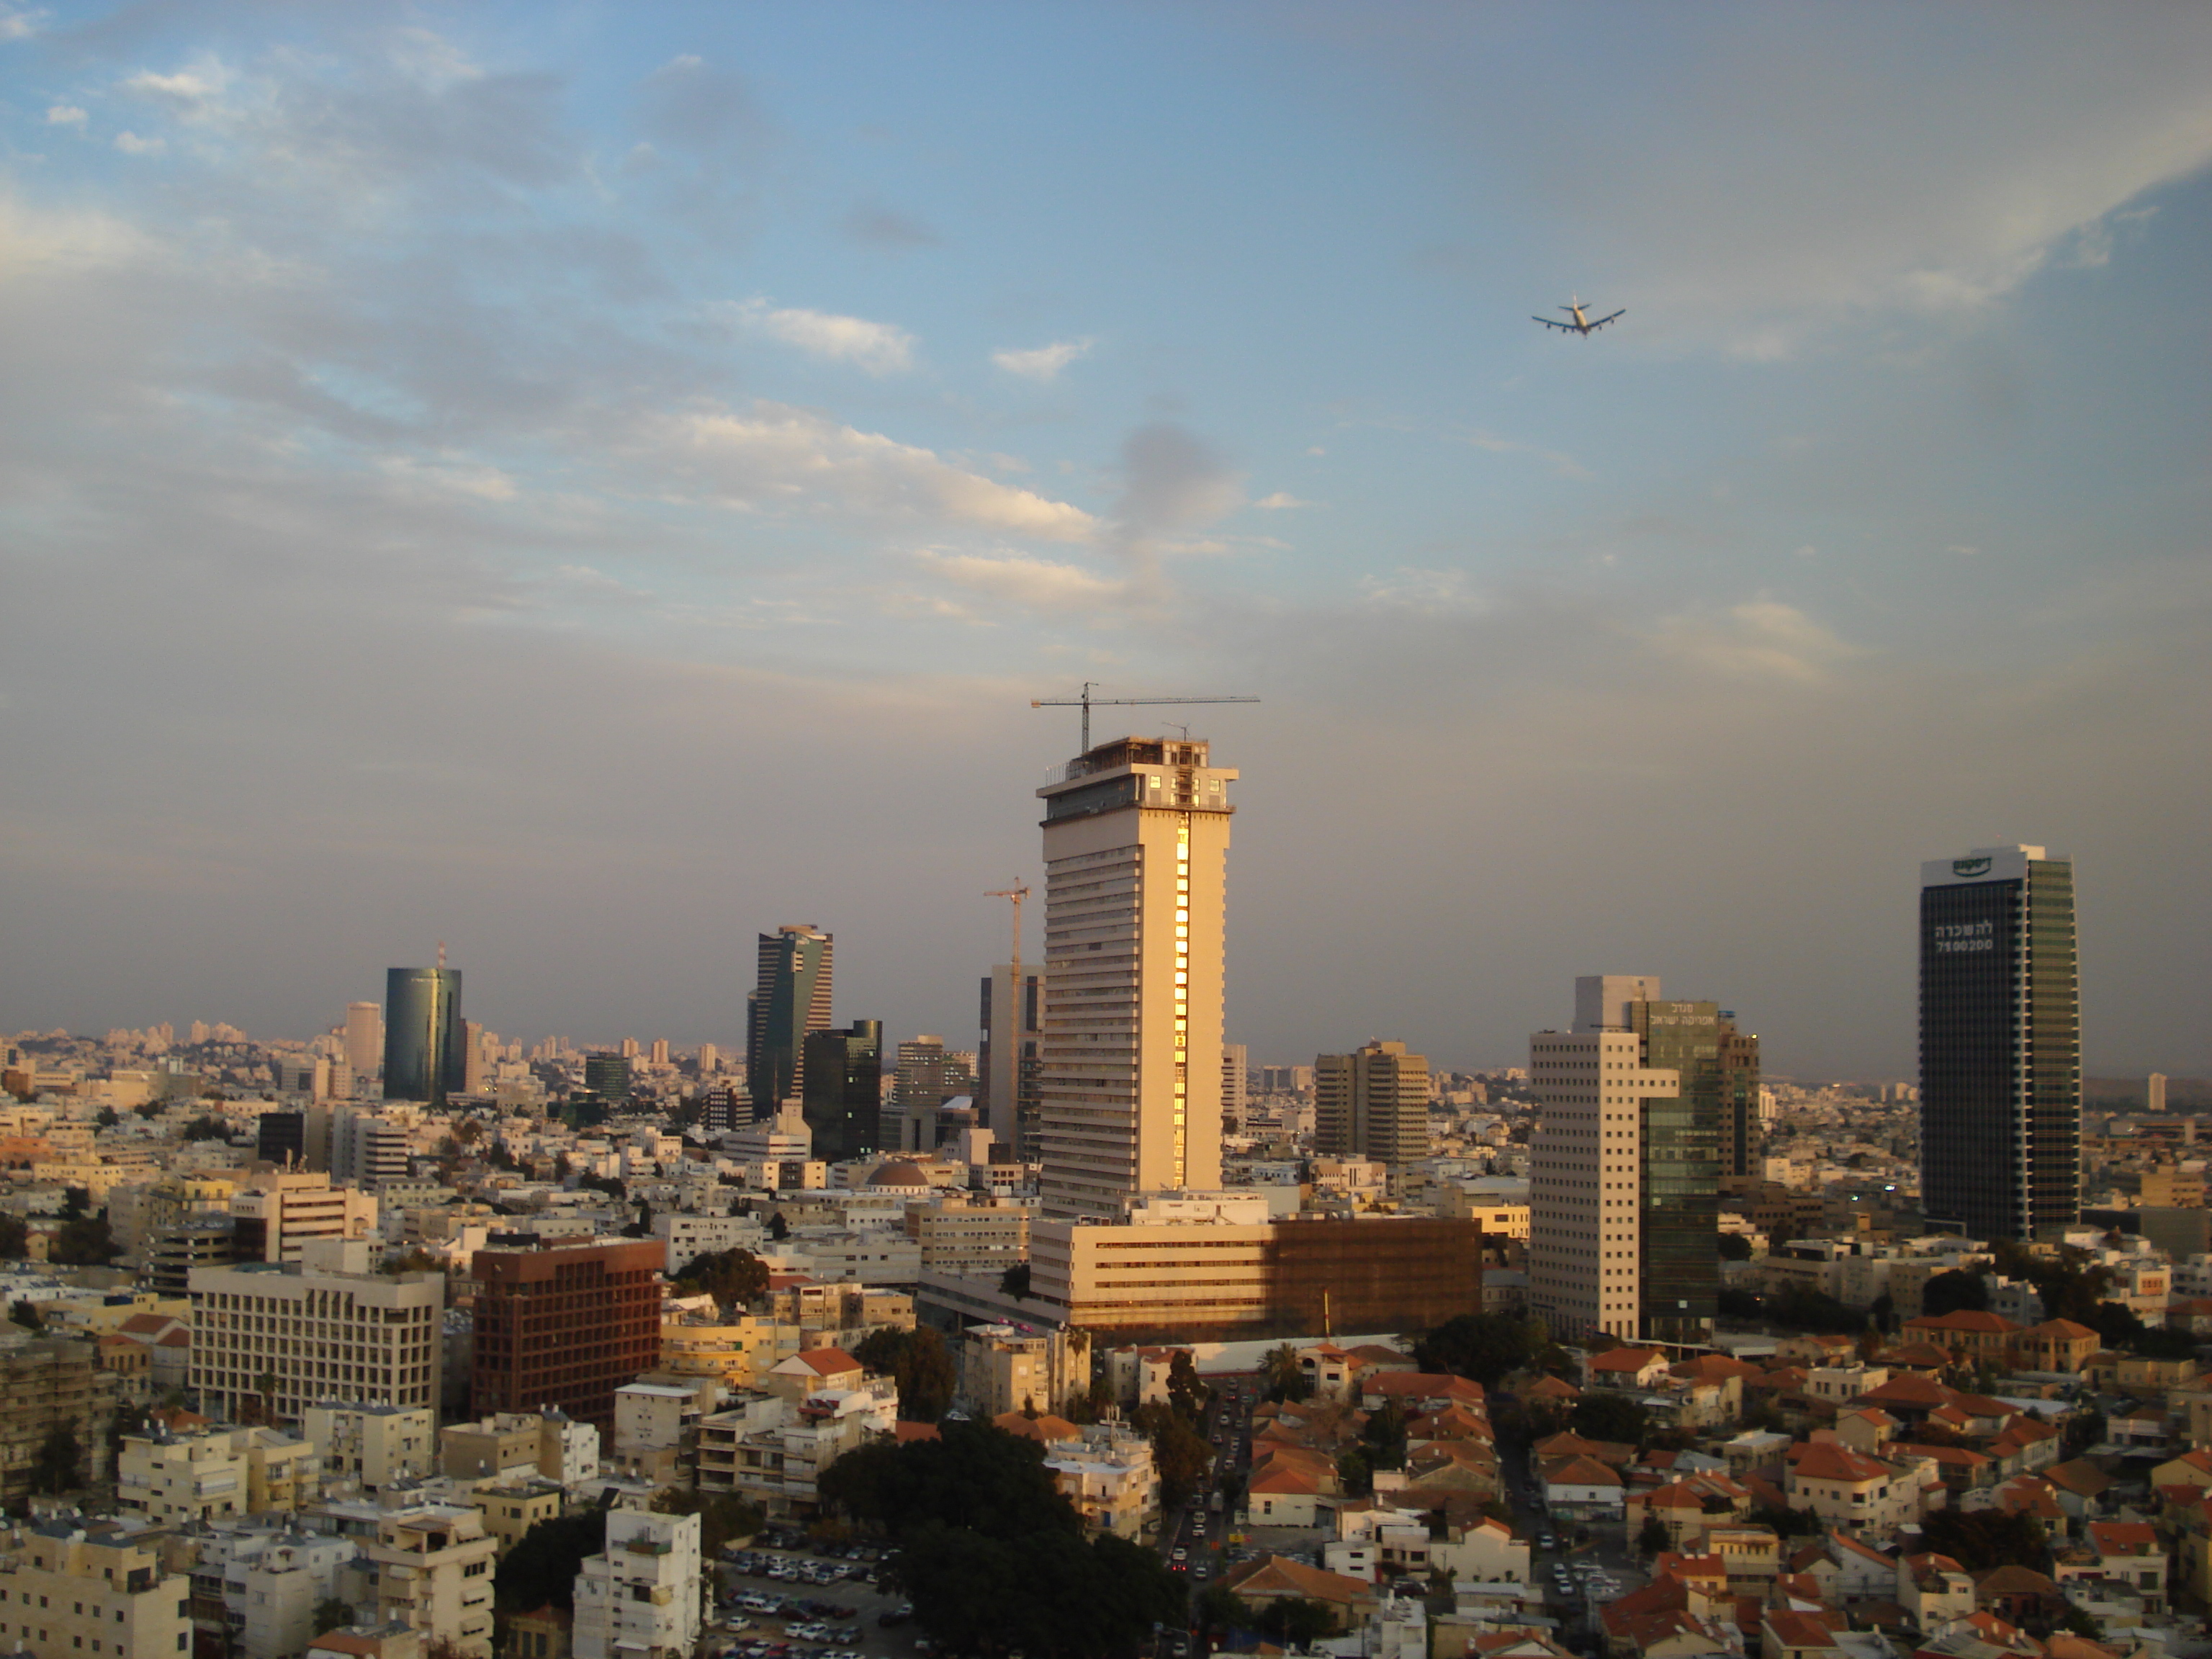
(565, 1325)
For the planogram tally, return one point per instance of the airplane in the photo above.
(1581, 324)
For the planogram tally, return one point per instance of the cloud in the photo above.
(773, 456)
(1564, 466)
(1281, 501)
(877, 348)
(691, 105)
(1412, 588)
(1759, 639)
(187, 92)
(1042, 363)
(131, 144)
(20, 25)
(1037, 584)
(65, 115)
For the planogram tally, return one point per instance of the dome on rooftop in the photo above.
(899, 1172)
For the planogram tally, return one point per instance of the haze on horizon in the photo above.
(591, 483)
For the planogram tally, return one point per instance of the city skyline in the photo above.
(770, 406)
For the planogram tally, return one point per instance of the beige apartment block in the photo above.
(277, 1212)
(1108, 1473)
(1372, 1103)
(1586, 1171)
(46, 1384)
(961, 1234)
(640, 1599)
(1006, 1370)
(1136, 842)
(73, 1587)
(513, 1503)
(189, 1480)
(736, 1353)
(372, 1446)
(279, 1337)
(434, 1569)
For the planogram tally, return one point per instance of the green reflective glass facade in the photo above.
(424, 1050)
(1680, 1187)
(790, 998)
(844, 1095)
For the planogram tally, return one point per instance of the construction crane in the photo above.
(1017, 892)
(1086, 702)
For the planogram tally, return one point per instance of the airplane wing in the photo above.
(1564, 328)
(1602, 321)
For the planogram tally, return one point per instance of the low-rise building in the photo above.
(639, 1599)
(1108, 1473)
(433, 1565)
(73, 1587)
(372, 1446)
(204, 1475)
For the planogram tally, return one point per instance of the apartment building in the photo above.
(736, 1353)
(192, 1479)
(639, 1599)
(1108, 1473)
(372, 1446)
(279, 1337)
(272, 1583)
(565, 1325)
(77, 1588)
(45, 1384)
(433, 1573)
(275, 1212)
(957, 1234)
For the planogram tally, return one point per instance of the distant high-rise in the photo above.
(1372, 1103)
(364, 1049)
(1136, 842)
(2000, 1044)
(607, 1075)
(843, 1102)
(423, 1056)
(1011, 1062)
(790, 999)
(1639, 1101)
(927, 1076)
(1235, 1073)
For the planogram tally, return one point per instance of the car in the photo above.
(1547, 1543)
(1180, 1554)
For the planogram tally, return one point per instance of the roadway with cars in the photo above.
(1194, 1539)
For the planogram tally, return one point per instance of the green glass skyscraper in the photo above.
(425, 1053)
(844, 1089)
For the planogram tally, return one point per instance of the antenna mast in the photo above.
(1086, 701)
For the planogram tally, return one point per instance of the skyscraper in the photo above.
(2000, 1044)
(843, 1102)
(1680, 1189)
(1136, 840)
(1011, 1062)
(928, 1074)
(364, 1047)
(423, 1056)
(790, 999)
(607, 1075)
(1373, 1102)
(1236, 1069)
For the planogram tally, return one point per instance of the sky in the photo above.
(589, 483)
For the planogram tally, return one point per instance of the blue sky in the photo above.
(590, 483)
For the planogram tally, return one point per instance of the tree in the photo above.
(59, 1465)
(76, 1202)
(107, 1117)
(778, 1228)
(734, 1278)
(1286, 1379)
(1220, 1608)
(542, 1567)
(1651, 1537)
(331, 1614)
(84, 1242)
(1180, 1452)
(1958, 1290)
(15, 1237)
(1298, 1621)
(207, 1128)
(1613, 1417)
(26, 1314)
(921, 1365)
(1354, 1473)
(1979, 1540)
(1484, 1347)
(1187, 1395)
(1015, 1281)
(1735, 1247)
(1382, 1437)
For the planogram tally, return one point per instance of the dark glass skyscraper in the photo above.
(790, 998)
(607, 1075)
(844, 1089)
(1682, 1158)
(2000, 1044)
(424, 1054)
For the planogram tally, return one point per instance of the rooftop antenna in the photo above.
(441, 955)
(1085, 702)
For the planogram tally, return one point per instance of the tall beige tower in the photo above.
(1373, 1103)
(1136, 842)
(364, 1049)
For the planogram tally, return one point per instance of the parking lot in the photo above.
(782, 1598)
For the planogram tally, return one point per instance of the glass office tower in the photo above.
(425, 1057)
(2000, 1045)
(790, 998)
(1682, 1149)
(844, 1089)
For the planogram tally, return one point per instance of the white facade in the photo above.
(1586, 1164)
(1136, 840)
(640, 1598)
